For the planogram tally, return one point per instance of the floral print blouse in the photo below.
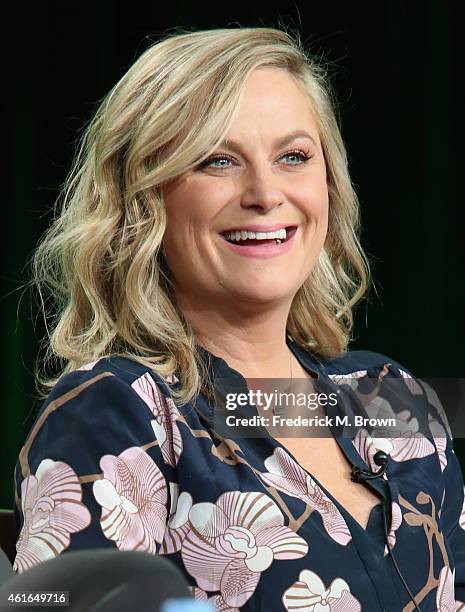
(111, 461)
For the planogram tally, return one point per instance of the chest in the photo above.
(326, 462)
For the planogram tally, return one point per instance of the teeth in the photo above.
(243, 235)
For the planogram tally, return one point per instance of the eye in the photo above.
(298, 153)
(215, 158)
(224, 156)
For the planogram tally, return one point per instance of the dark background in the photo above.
(397, 75)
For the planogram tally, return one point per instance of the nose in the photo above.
(261, 192)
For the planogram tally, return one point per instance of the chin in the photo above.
(264, 294)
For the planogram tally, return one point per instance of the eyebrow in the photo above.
(279, 142)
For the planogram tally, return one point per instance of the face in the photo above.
(256, 181)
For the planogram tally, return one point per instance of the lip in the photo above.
(260, 228)
(262, 251)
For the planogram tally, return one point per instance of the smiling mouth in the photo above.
(254, 241)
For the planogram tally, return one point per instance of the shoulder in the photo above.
(369, 369)
(395, 384)
(124, 372)
(101, 409)
(107, 375)
(99, 395)
(364, 360)
(386, 384)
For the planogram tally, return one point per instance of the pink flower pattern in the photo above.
(172, 379)
(52, 510)
(166, 415)
(445, 594)
(433, 399)
(90, 365)
(218, 603)
(288, 476)
(380, 408)
(440, 440)
(178, 525)
(226, 545)
(462, 514)
(396, 521)
(133, 496)
(410, 445)
(413, 386)
(350, 379)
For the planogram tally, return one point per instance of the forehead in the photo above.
(274, 101)
(273, 105)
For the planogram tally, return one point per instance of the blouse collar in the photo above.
(220, 368)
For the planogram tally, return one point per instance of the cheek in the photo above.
(174, 237)
(324, 209)
(188, 210)
(321, 198)
(316, 202)
(183, 229)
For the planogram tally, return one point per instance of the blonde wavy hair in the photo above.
(101, 260)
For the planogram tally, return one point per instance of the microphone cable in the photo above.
(360, 475)
(391, 554)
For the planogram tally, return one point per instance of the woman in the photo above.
(167, 281)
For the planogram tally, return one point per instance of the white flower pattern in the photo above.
(309, 594)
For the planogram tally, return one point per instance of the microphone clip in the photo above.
(361, 475)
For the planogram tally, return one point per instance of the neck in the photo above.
(251, 338)
(260, 358)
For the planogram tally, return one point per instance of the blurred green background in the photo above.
(397, 75)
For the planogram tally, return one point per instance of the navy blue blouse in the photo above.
(112, 461)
